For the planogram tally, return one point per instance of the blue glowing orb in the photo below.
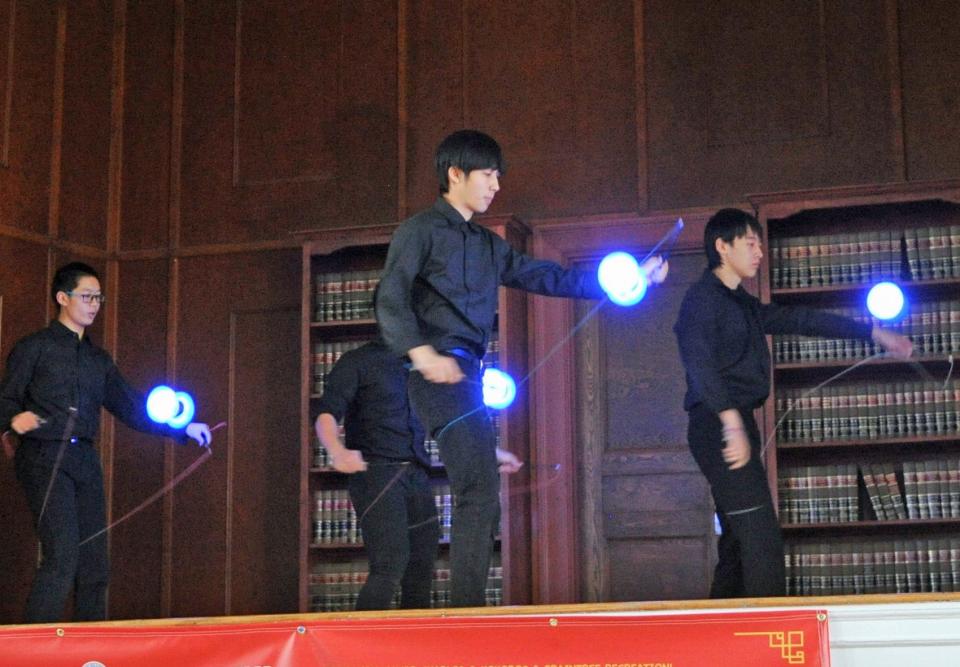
(499, 389)
(621, 278)
(162, 404)
(885, 301)
(166, 406)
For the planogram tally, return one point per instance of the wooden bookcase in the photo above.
(845, 453)
(354, 258)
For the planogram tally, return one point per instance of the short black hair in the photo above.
(727, 224)
(467, 150)
(68, 275)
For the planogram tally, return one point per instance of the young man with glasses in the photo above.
(55, 382)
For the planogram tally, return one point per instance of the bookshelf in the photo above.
(865, 470)
(340, 270)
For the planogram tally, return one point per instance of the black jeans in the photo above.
(454, 414)
(74, 511)
(750, 548)
(398, 518)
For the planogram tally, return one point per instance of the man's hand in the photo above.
(435, 367)
(200, 432)
(26, 422)
(507, 462)
(894, 344)
(348, 461)
(736, 449)
(655, 269)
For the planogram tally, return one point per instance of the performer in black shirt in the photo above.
(55, 383)
(437, 303)
(389, 486)
(721, 333)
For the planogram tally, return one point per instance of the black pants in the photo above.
(455, 415)
(400, 532)
(75, 510)
(750, 549)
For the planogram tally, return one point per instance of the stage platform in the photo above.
(850, 631)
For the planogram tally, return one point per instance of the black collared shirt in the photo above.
(721, 331)
(441, 277)
(54, 369)
(367, 389)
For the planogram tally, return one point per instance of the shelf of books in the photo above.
(863, 451)
(341, 272)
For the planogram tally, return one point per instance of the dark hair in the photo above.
(467, 150)
(727, 224)
(68, 275)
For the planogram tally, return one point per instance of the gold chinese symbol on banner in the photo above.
(789, 643)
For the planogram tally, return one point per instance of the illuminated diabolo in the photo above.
(621, 278)
(166, 406)
(499, 389)
(885, 301)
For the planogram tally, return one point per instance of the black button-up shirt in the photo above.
(367, 389)
(54, 369)
(440, 282)
(721, 331)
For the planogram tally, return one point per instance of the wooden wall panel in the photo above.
(23, 310)
(715, 71)
(29, 46)
(553, 82)
(211, 291)
(263, 522)
(86, 122)
(930, 56)
(147, 96)
(292, 126)
(136, 469)
(643, 499)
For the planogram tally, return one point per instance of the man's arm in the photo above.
(550, 279)
(339, 393)
(342, 459)
(408, 251)
(695, 328)
(16, 379)
(130, 406)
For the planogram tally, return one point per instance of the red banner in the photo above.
(747, 639)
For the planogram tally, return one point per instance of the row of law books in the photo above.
(324, 356)
(335, 520)
(934, 328)
(345, 296)
(336, 586)
(876, 566)
(321, 459)
(922, 253)
(925, 489)
(867, 411)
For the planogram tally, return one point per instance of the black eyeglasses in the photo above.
(87, 297)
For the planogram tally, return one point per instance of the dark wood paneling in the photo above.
(28, 89)
(930, 57)
(749, 96)
(553, 82)
(138, 459)
(640, 489)
(86, 122)
(271, 143)
(433, 91)
(211, 291)
(147, 91)
(264, 458)
(23, 310)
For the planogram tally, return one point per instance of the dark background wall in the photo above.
(175, 145)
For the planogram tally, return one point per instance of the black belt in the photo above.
(466, 355)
